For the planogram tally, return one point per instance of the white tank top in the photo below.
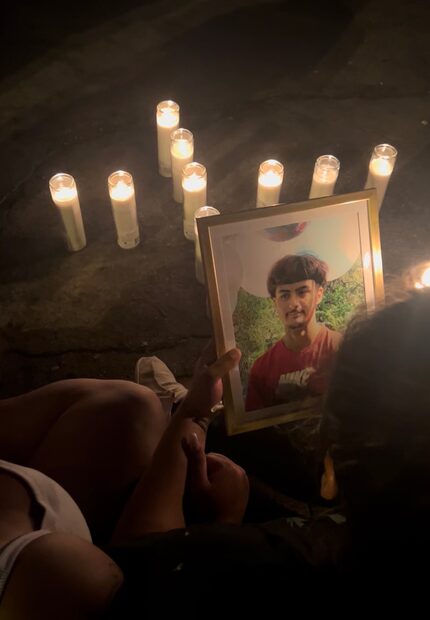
(60, 514)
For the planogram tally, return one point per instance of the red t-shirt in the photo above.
(281, 375)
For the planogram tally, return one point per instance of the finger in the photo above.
(197, 468)
(216, 368)
(224, 364)
(206, 389)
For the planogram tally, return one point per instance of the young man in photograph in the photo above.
(297, 365)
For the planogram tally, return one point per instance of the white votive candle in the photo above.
(194, 184)
(167, 121)
(65, 195)
(122, 196)
(182, 153)
(380, 168)
(270, 176)
(326, 171)
(201, 212)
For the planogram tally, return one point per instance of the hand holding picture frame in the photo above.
(283, 282)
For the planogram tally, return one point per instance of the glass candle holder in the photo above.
(123, 200)
(270, 177)
(194, 185)
(201, 212)
(381, 166)
(182, 153)
(418, 276)
(167, 121)
(325, 175)
(64, 194)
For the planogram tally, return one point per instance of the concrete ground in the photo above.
(255, 79)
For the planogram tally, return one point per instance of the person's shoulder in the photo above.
(331, 336)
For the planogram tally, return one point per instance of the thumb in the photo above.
(206, 389)
(224, 364)
(197, 466)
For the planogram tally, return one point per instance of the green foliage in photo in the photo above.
(256, 327)
(342, 298)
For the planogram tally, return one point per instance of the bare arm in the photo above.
(60, 576)
(157, 502)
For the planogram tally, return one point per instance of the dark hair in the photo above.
(294, 268)
(376, 418)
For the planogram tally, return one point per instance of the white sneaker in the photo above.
(154, 374)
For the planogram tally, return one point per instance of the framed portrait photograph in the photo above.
(283, 282)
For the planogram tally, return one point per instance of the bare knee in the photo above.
(78, 389)
(120, 421)
(132, 393)
(117, 426)
(121, 397)
(132, 402)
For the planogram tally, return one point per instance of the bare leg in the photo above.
(93, 437)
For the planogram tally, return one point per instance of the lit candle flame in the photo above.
(270, 179)
(168, 118)
(193, 183)
(65, 194)
(182, 148)
(425, 278)
(418, 277)
(121, 191)
(381, 166)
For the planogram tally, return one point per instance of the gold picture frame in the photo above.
(339, 233)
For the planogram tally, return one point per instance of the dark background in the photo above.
(79, 83)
